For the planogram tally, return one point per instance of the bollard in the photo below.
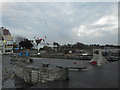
(27, 54)
(65, 73)
(20, 54)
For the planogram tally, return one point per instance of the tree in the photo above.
(55, 43)
(25, 44)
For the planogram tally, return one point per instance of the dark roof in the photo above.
(6, 32)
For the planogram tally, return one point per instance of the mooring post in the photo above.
(65, 73)
(20, 54)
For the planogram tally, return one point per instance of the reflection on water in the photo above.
(18, 83)
(105, 76)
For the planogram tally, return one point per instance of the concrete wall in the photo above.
(42, 74)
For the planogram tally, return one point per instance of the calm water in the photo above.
(0, 71)
(92, 77)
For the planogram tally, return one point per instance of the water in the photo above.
(0, 71)
(105, 76)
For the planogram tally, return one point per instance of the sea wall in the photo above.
(42, 74)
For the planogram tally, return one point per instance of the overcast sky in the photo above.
(86, 22)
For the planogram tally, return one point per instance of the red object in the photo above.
(94, 62)
(75, 62)
(40, 39)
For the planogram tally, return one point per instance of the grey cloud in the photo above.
(57, 20)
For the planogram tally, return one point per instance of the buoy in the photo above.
(94, 62)
(75, 62)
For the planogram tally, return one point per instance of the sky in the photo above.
(63, 22)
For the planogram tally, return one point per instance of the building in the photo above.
(6, 41)
(41, 43)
